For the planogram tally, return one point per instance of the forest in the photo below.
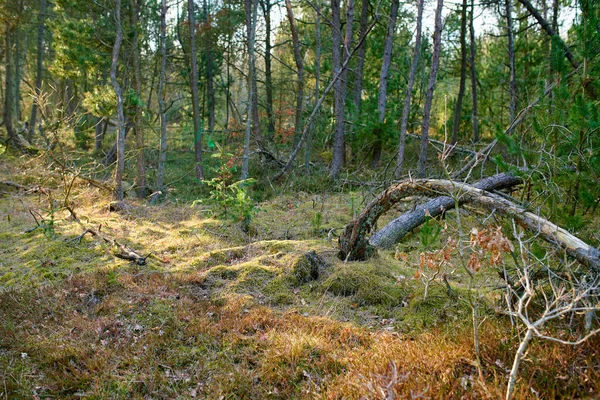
(357, 199)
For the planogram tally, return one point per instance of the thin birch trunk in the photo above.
(194, 88)
(162, 154)
(317, 84)
(137, 87)
(360, 57)
(383, 81)
(267, 6)
(339, 145)
(300, 68)
(474, 111)
(251, 11)
(463, 71)
(39, 68)
(437, 45)
(119, 94)
(409, 88)
(512, 87)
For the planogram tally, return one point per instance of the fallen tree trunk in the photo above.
(353, 244)
(394, 231)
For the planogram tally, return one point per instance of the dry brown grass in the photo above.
(216, 314)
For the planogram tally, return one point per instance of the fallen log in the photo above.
(394, 231)
(353, 244)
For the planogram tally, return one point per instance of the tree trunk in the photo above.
(251, 11)
(437, 45)
(339, 141)
(353, 244)
(395, 230)
(194, 88)
(137, 87)
(409, 88)
(39, 70)
(300, 68)
(383, 81)
(360, 57)
(463, 72)
(512, 87)
(162, 153)
(210, 76)
(9, 90)
(474, 111)
(267, 6)
(317, 84)
(119, 94)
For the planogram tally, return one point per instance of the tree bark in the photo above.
(473, 44)
(119, 94)
(409, 88)
(251, 11)
(463, 72)
(300, 68)
(395, 230)
(210, 75)
(353, 244)
(194, 88)
(317, 84)
(267, 6)
(437, 46)
(9, 90)
(162, 153)
(383, 81)
(339, 139)
(512, 87)
(39, 68)
(360, 56)
(137, 87)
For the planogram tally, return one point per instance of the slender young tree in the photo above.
(473, 70)
(360, 56)
(194, 88)
(267, 6)
(251, 11)
(119, 94)
(383, 81)
(8, 91)
(162, 154)
(138, 128)
(512, 86)
(317, 66)
(463, 71)
(39, 67)
(338, 59)
(435, 60)
(300, 69)
(409, 88)
(339, 139)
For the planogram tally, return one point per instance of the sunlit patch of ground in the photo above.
(217, 313)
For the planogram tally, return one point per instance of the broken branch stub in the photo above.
(353, 244)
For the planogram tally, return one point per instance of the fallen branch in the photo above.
(353, 244)
(394, 231)
(124, 252)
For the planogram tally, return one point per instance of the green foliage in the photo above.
(233, 200)
(101, 101)
(429, 233)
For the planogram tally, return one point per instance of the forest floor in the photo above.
(219, 313)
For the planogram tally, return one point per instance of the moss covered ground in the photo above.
(218, 313)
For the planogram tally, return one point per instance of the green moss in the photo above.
(368, 284)
(223, 272)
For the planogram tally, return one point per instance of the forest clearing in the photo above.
(311, 199)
